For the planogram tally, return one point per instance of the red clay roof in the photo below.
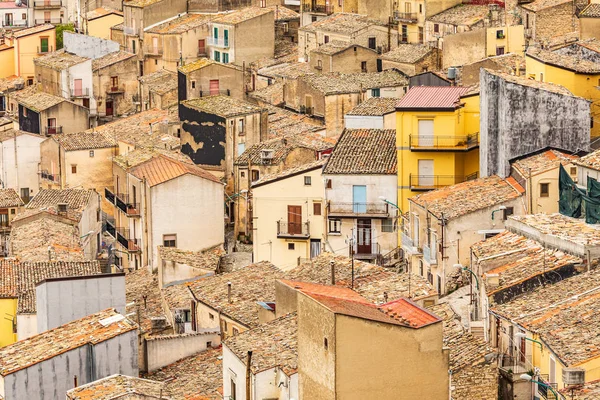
(407, 311)
(161, 169)
(428, 97)
(340, 292)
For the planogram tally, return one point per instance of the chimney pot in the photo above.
(229, 292)
(332, 272)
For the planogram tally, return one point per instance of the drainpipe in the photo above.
(248, 375)
(145, 217)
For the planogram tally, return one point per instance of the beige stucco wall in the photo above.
(543, 25)
(49, 79)
(253, 39)
(229, 77)
(127, 72)
(71, 117)
(589, 28)
(347, 61)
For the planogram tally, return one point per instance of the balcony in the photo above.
(315, 7)
(293, 230)
(429, 256)
(80, 93)
(131, 31)
(405, 17)
(202, 52)
(122, 236)
(116, 89)
(14, 24)
(443, 143)
(109, 195)
(53, 130)
(42, 21)
(217, 42)
(47, 4)
(131, 209)
(432, 182)
(154, 51)
(44, 50)
(49, 177)
(373, 210)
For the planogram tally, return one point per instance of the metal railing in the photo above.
(116, 89)
(293, 229)
(42, 50)
(406, 240)
(83, 92)
(316, 7)
(14, 24)
(358, 208)
(202, 52)
(204, 93)
(431, 182)
(49, 177)
(444, 142)
(42, 21)
(131, 209)
(406, 17)
(47, 4)
(217, 42)
(53, 130)
(392, 257)
(109, 195)
(154, 51)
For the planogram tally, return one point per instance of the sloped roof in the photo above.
(32, 30)
(407, 53)
(180, 24)
(336, 46)
(86, 140)
(40, 101)
(572, 63)
(281, 148)
(224, 106)
(591, 11)
(462, 14)
(161, 169)
(543, 161)
(432, 97)
(364, 151)
(117, 386)
(539, 5)
(343, 23)
(59, 60)
(375, 107)
(76, 199)
(110, 59)
(10, 198)
(338, 83)
(102, 12)
(242, 15)
(286, 173)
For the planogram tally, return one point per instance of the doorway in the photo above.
(315, 247)
(363, 236)
(109, 107)
(426, 177)
(294, 220)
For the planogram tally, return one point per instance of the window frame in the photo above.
(167, 239)
(336, 224)
(546, 192)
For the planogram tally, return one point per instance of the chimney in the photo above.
(332, 272)
(61, 208)
(75, 383)
(493, 280)
(229, 292)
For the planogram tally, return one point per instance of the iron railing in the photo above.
(431, 182)
(430, 255)
(131, 209)
(336, 208)
(444, 143)
(42, 49)
(83, 92)
(406, 240)
(116, 89)
(293, 229)
(202, 52)
(48, 176)
(47, 4)
(405, 17)
(109, 195)
(14, 24)
(53, 130)
(316, 7)
(41, 21)
(392, 257)
(217, 42)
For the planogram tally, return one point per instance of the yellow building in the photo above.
(570, 67)
(31, 43)
(100, 20)
(437, 138)
(8, 304)
(7, 60)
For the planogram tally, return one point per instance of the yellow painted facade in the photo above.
(512, 40)
(8, 310)
(582, 85)
(7, 62)
(100, 27)
(28, 47)
(453, 158)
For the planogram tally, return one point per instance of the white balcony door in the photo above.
(359, 198)
(425, 133)
(426, 173)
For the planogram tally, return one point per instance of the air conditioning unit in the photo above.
(267, 155)
(573, 376)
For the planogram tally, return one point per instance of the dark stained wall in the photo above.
(29, 123)
(202, 136)
(181, 86)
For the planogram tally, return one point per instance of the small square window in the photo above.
(73, 169)
(328, 184)
(335, 225)
(255, 175)
(325, 343)
(211, 316)
(24, 111)
(170, 240)
(12, 210)
(573, 170)
(544, 189)
(500, 34)
(375, 92)
(193, 84)
(155, 61)
(235, 331)
(208, 345)
(317, 208)
(387, 225)
(91, 153)
(242, 174)
(291, 246)
(307, 181)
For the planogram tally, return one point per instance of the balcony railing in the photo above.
(53, 130)
(82, 92)
(406, 240)
(154, 51)
(429, 255)
(131, 209)
(293, 230)
(444, 143)
(358, 209)
(109, 195)
(115, 89)
(204, 93)
(49, 177)
(319, 8)
(47, 4)
(111, 228)
(131, 31)
(405, 17)
(202, 52)
(14, 24)
(122, 236)
(41, 21)
(44, 50)
(432, 182)
(217, 42)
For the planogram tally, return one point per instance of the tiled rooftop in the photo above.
(10, 198)
(375, 106)
(271, 94)
(141, 288)
(161, 169)
(117, 386)
(407, 53)
(463, 198)
(532, 83)
(8, 283)
(591, 11)
(563, 227)
(180, 24)
(253, 283)
(10, 82)
(283, 14)
(177, 296)
(141, 155)
(90, 330)
(110, 59)
(86, 140)
(286, 173)
(59, 60)
(589, 390)
(76, 199)
(342, 23)
(539, 5)
(160, 82)
(102, 12)
(140, 3)
(40, 101)
(337, 83)
(290, 69)
(364, 151)
(462, 15)
(428, 97)
(273, 345)
(242, 15)
(591, 160)
(284, 122)
(282, 147)
(198, 377)
(196, 65)
(543, 162)
(207, 259)
(394, 285)
(32, 30)
(223, 106)
(572, 63)
(334, 47)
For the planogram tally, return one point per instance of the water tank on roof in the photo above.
(451, 73)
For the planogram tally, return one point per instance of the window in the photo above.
(420, 8)
(226, 58)
(421, 34)
(187, 316)
(193, 84)
(335, 225)
(404, 34)
(375, 92)
(317, 208)
(23, 16)
(226, 37)
(319, 64)
(430, 277)
(217, 56)
(500, 34)
(325, 343)
(170, 240)
(235, 331)
(44, 45)
(25, 195)
(215, 33)
(73, 169)
(29, 80)
(91, 153)
(241, 126)
(363, 66)
(436, 28)
(326, 39)
(211, 316)
(307, 181)
(133, 46)
(407, 8)
(387, 225)
(242, 174)
(233, 392)
(328, 184)
(156, 61)
(573, 170)
(421, 267)
(313, 18)
(372, 43)
(544, 189)
(255, 175)
(208, 345)
(291, 246)
(241, 148)
(499, 50)
(508, 211)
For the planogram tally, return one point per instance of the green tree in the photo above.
(59, 33)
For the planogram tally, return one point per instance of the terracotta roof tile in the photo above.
(563, 227)
(223, 106)
(161, 169)
(117, 386)
(343, 23)
(391, 285)
(34, 29)
(86, 140)
(283, 14)
(207, 259)
(59, 60)
(375, 106)
(539, 5)
(180, 24)
(591, 11)
(463, 15)
(426, 97)
(141, 288)
(102, 12)
(281, 148)
(10, 198)
(160, 82)
(543, 161)
(76, 199)
(569, 62)
(40, 101)
(338, 83)
(110, 59)
(336, 46)
(589, 390)
(409, 313)
(8, 283)
(407, 53)
(286, 173)
(591, 160)
(242, 15)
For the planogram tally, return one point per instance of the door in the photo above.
(51, 126)
(47, 17)
(363, 236)
(8, 19)
(44, 45)
(294, 220)
(425, 138)
(78, 87)
(109, 107)
(214, 87)
(315, 247)
(426, 177)
(201, 47)
(552, 374)
(226, 38)
(155, 45)
(379, 65)
(359, 199)
(309, 107)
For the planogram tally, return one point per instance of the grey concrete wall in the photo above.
(166, 349)
(50, 379)
(88, 46)
(64, 300)
(517, 119)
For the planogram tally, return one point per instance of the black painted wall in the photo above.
(29, 123)
(181, 86)
(203, 138)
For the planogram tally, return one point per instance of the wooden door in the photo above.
(363, 236)
(51, 126)
(214, 87)
(78, 87)
(295, 220)
(201, 47)
(109, 107)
